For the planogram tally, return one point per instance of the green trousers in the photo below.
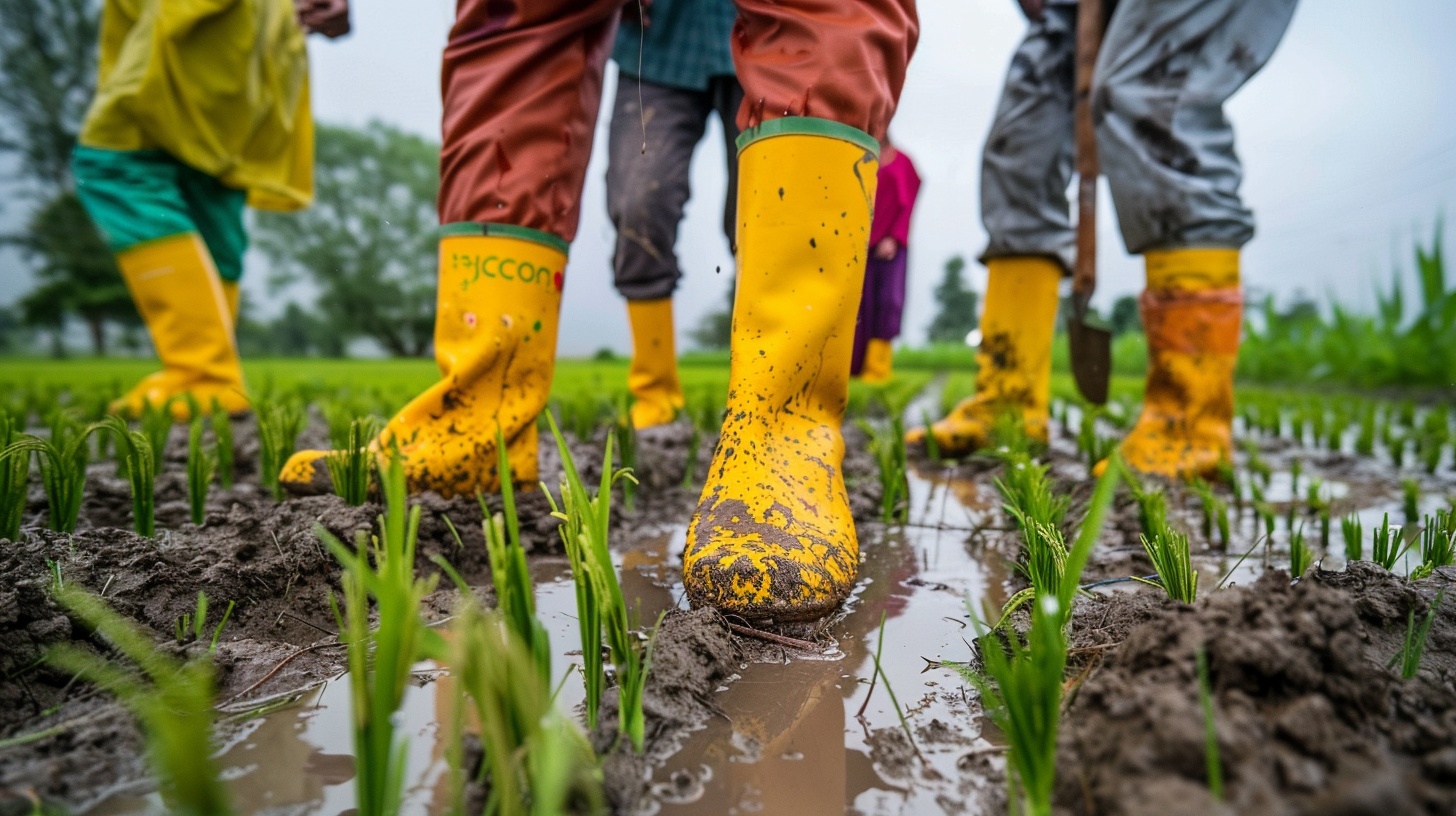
(141, 195)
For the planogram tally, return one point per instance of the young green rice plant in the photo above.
(1256, 464)
(1431, 456)
(380, 660)
(1438, 544)
(1410, 493)
(14, 479)
(1170, 553)
(352, 465)
(1396, 444)
(1094, 446)
(135, 450)
(1152, 507)
(1215, 511)
(222, 434)
(1414, 647)
(1365, 439)
(1008, 435)
(627, 441)
(63, 460)
(1354, 537)
(1045, 565)
(536, 760)
(172, 699)
(601, 609)
(1028, 492)
(932, 445)
(514, 591)
(156, 425)
(201, 468)
(888, 447)
(279, 424)
(1301, 557)
(1212, 762)
(1385, 546)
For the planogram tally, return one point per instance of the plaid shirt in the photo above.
(686, 43)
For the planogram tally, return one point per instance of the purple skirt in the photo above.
(881, 306)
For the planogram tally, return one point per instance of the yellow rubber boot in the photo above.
(878, 361)
(495, 344)
(773, 537)
(653, 377)
(1014, 361)
(1192, 312)
(234, 298)
(180, 297)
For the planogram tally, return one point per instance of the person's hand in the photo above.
(327, 17)
(887, 248)
(1032, 9)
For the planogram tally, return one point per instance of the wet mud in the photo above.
(1310, 719)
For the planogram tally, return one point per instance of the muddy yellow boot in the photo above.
(653, 381)
(234, 298)
(878, 360)
(495, 344)
(1014, 361)
(773, 537)
(181, 299)
(1192, 312)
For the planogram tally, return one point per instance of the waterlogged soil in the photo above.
(1309, 718)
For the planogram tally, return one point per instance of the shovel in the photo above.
(1090, 340)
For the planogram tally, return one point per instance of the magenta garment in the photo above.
(894, 200)
(883, 302)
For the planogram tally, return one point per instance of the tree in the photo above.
(47, 78)
(369, 240)
(1125, 315)
(957, 317)
(715, 329)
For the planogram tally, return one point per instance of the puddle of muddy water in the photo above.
(788, 739)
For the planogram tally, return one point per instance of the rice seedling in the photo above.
(380, 660)
(1438, 544)
(1301, 557)
(201, 467)
(1008, 435)
(1385, 547)
(888, 447)
(1365, 439)
(1212, 762)
(1410, 493)
(195, 623)
(536, 760)
(14, 479)
(1170, 553)
(1215, 511)
(156, 425)
(1028, 492)
(1414, 646)
(1354, 537)
(352, 465)
(932, 445)
(1152, 507)
(222, 434)
(1093, 446)
(894, 701)
(1045, 564)
(135, 450)
(1396, 444)
(63, 459)
(514, 591)
(600, 605)
(627, 442)
(1256, 464)
(172, 699)
(279, 425)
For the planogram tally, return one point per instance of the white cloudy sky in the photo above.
(1348, 137)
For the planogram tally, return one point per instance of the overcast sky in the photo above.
(1348, 138)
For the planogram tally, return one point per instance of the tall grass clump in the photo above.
(222, 434)
(1354, 537)
(201, 468)
(1414, 646)
(1022, 684)
(1170, 553)
(14, 478)
(352, 466)
(172, 698)
(380, 660)
(279, 425)
(601, 609)
(888, 447)
(537, 761)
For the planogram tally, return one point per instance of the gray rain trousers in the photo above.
(1164, 72)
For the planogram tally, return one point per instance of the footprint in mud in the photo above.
(684, 786)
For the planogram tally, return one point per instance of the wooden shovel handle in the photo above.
(1090, 24)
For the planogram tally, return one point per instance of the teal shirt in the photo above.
(685, 43)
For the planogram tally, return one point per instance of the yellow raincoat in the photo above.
(221, 85)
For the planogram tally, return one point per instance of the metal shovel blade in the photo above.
(1091, 356)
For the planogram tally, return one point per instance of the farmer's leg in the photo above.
(653, 133)
(521, 91)
(884, 294)
(727, 96)
(773, 536)
(218, 212)
(136, 198)
(1165, 70)
(1025, 169)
